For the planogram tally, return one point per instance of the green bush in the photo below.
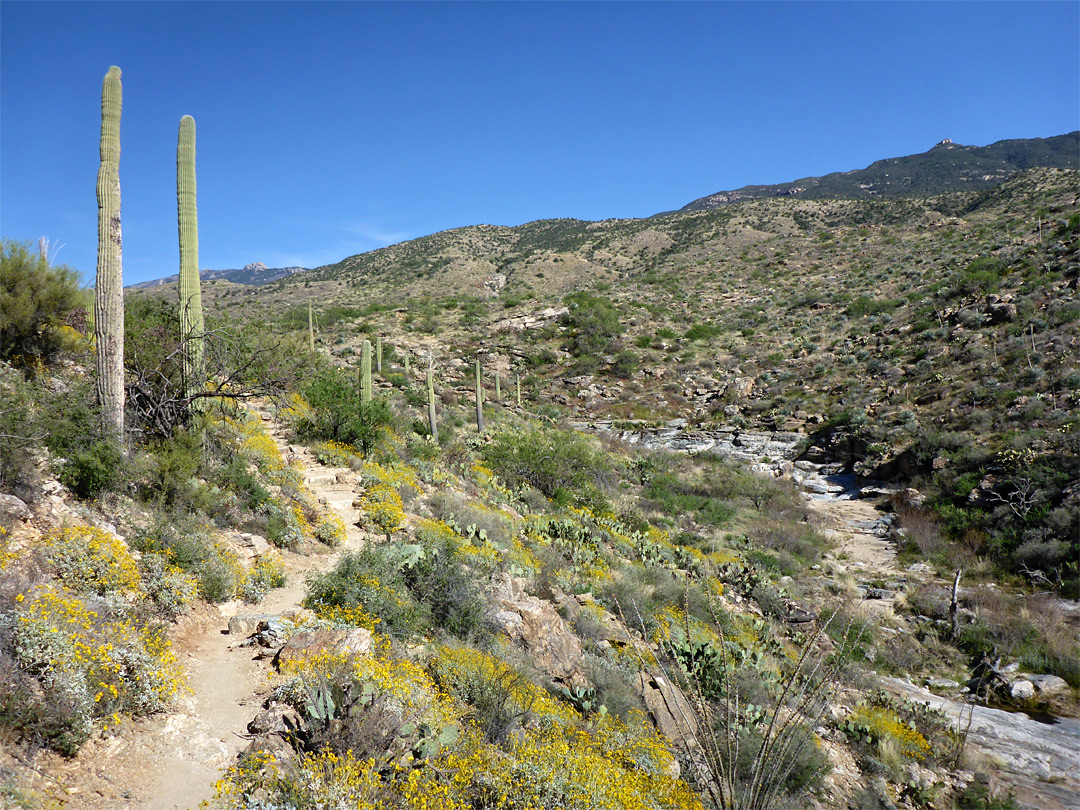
(91, 470)
(441, 581)
(593, 323)
(563, 465)
(18, 434)
(371, 579)
(34, 301)
(337, 414)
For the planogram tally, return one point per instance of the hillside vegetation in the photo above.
(928, 341)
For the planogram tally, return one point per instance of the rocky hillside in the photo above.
(931, 338)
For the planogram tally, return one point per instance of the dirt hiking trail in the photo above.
(172, 761)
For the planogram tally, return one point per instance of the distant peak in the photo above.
(255, 266)
(945, 142)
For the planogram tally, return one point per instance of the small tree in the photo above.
(35, 299)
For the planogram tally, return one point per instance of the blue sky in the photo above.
(328, 129)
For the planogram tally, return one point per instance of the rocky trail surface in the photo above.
(172, 761)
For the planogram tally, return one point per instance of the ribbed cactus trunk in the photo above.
(479, 400)
(365, 374)
(109, 287)
(406, 367)
(519, 390)
(378, 354)
(192, 327)
(310, 328)
(431, 403)
(498, 387)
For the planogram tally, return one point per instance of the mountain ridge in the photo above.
(254, 274)
(946, 166)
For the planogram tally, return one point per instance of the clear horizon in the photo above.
(329, 129)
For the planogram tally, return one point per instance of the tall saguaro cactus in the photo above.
(406, 367)
(431, 402)
(378, 353)
(498, 387)
(109, 287)
(191, 314)
(310, 329)
(479, 400)
(365, 373)
(519, 390)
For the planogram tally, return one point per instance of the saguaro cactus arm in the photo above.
(109, 286)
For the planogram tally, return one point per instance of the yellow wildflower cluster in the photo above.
(399, 679)
(6, 552)
(336, 454)
(559, 763)
(331, 530)
(269, 569)
(885, 726)
(119, 663)
(463, 670)
(396, 475)
(348, 615)
(672, 622)
(92, 561)
(383, 507)
(297, 409)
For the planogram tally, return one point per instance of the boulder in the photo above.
(535, 625)
(312, 642)
(670, 709)
(12, 509)
(1022, 689)
(276, 719)
(741, 387)
(1048, 684)
(247, 625)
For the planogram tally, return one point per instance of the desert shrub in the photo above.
(35, 299)
(383, 507)
(1031, 631)
(175, 464)
(979, 796)
(167, 587)
(19, 432)
(337, 415)
(501, 697)
(864, 305)
(593, 323)
(90, 664)
(440, 580)
(371, 579)
(88, 471)
(563, 465)
(677, 496)
(237, 477)
(625, 365)
(330, 530)
(93, 561)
